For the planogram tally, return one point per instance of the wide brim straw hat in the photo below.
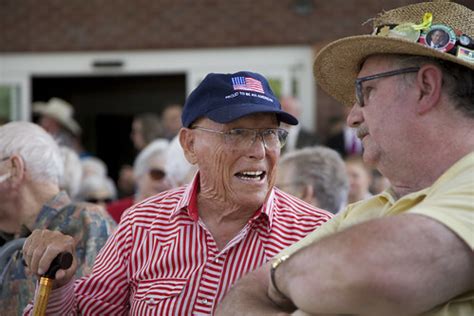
(337, 65)
(59, 110)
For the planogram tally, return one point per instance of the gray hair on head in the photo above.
(458, 81)
(155, 148)
(324, 169)
(93, 166)
(36, 147)
(95, 184)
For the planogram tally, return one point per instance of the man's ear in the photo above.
(187, 141)
(429, 80)
(18, 171)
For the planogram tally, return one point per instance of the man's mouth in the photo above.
(362, 132)
(251, 175)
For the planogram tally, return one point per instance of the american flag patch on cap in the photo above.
(247, 84)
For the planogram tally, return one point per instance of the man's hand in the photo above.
(40, 249)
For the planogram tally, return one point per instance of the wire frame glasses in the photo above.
(243, 138)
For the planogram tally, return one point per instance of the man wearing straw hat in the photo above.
(56, 117)
(408, 250)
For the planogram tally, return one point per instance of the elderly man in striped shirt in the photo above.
(179, 252)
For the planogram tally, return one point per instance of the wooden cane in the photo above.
(62, 261)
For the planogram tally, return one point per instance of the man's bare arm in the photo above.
(400, 265)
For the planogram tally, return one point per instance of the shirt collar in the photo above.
(189, 204)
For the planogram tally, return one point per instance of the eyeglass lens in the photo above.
(358, 82)
(156, 174)
(272, 138)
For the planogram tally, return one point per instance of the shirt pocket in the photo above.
(156, 290)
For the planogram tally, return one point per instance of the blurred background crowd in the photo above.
(108, 81)
(328, 175)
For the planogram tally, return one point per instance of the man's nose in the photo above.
(258, 147)
(355, 118)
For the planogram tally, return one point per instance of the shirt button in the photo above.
(204, 301)
(216, 260)
(152, 301)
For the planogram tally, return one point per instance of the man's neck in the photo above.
(223, 220)
(434, 166)
(443, 139)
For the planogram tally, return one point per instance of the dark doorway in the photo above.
(105, 106)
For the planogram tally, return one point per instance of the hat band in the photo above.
(440, 37)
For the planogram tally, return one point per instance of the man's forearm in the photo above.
(385, 266)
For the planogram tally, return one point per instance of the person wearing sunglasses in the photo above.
(150, 177)
(31, 169)
(409, 249)
(179, 252)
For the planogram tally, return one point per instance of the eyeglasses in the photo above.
(96, 201)
(157, 174)
(5, 158)
(358, 82)
(243, 138)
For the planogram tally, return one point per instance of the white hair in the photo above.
(93, 166)
(155, 148)
(71, 179)
(95, 183)
(177, 166)
(36, 147)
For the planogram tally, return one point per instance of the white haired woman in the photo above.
(150, 173)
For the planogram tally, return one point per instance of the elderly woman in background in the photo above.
(98, 190)
(149, 170)
(93, 166)
(150, 174)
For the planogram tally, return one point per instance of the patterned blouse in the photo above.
(87, 223)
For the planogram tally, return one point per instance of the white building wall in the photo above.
(280, 63)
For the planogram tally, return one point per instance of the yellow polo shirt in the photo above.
(450, 200)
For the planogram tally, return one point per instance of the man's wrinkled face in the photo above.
(236, 174)
(384, 123)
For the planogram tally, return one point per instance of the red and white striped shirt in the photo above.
(162, 260)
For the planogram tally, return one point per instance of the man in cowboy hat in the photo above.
(408, 250)
(56, 117)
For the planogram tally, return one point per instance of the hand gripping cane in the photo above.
(62, 261)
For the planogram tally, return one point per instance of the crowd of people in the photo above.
(231, 208)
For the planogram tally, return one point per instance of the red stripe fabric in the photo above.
(161, 261)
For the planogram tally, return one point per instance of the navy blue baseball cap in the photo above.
(224, 98)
